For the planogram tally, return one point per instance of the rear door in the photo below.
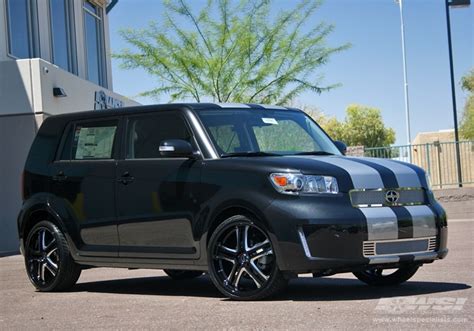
(85, 178)
(157, 197)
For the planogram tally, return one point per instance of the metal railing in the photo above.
(438, 159)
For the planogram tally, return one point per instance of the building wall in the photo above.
(44, 34)
(26, 98)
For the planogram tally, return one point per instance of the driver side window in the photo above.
(146, 133)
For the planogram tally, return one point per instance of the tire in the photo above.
(48, 261)
(375, 277)
(182, 274)
(241, 260)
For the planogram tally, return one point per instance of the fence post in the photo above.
(428, 161)
(438, 147)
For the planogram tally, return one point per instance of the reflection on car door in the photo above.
(84, 176)
(157, 197)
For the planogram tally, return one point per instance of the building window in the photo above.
(94, 43)
(62, 34)
(22, 38)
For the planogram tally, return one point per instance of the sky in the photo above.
(371, 71)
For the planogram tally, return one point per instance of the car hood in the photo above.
(350, 172)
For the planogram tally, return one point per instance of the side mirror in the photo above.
(341, 147)
(176, 148)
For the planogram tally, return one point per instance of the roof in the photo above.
(172, 106)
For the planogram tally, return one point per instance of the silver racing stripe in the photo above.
(406, 176)
(424, 223)
(382, 223)
(363, 176)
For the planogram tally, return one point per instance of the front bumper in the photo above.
(326, 234)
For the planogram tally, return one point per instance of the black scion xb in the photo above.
(251, 194)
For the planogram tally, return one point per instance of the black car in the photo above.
(251, 194)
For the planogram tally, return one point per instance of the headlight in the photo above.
(295, 183)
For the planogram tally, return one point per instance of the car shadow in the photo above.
(301, 289)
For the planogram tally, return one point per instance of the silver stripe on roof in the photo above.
(272, 107)
(232, 105)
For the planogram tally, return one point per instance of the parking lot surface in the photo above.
(439, 296)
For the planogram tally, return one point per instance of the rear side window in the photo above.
(146, 133)
(90, 141)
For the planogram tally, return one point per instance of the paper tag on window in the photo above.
(268, 120)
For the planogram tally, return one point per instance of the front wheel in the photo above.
(242, 262)
(48, 261)
(386, 277)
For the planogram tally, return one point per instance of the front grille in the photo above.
(399, 246)
(376, 198)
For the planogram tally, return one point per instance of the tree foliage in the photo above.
(467, 122)
(362, 126)
(232, 51)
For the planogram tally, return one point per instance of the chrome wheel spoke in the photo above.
(51, 268)
(258, 271)
(254, 276)
(43, 268)
(237, 278)
(51, 243)
(226, 254)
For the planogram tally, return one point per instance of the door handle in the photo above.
(126, 178)
(60, 176)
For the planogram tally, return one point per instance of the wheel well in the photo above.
(34, 218)
(225, 214)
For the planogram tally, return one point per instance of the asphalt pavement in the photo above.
(439, 296)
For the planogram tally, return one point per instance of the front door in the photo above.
(84, 177)
(157, 197)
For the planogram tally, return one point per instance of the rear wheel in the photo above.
(182, 274)
(241, 259)
(48, 261)
(386, 277)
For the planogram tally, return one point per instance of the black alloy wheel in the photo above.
(242, 262)
(49, 264)
(386, 277)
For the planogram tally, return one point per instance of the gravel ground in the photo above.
(438, 296)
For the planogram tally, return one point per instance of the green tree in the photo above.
(467, 122)
(232, 51)
(362, 126)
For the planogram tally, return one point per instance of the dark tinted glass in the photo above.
(66, 151)
(145, 134)
(93, 42)
(59, 33)
(265, 130)
(18, 28)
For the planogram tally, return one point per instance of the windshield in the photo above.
(265, 132)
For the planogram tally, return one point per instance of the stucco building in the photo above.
(54, 58)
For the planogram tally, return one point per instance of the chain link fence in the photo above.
(438, 159)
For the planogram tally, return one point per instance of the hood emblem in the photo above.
(392, 196)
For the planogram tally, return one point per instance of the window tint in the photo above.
(94, 140)
(145, 134)
(66, 151)
(94, 43)
(19, 28)
(61, 34)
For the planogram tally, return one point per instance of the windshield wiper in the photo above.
(314, 153)
(248, 154)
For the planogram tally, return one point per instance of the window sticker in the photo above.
(269, 120)
(94, 143)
